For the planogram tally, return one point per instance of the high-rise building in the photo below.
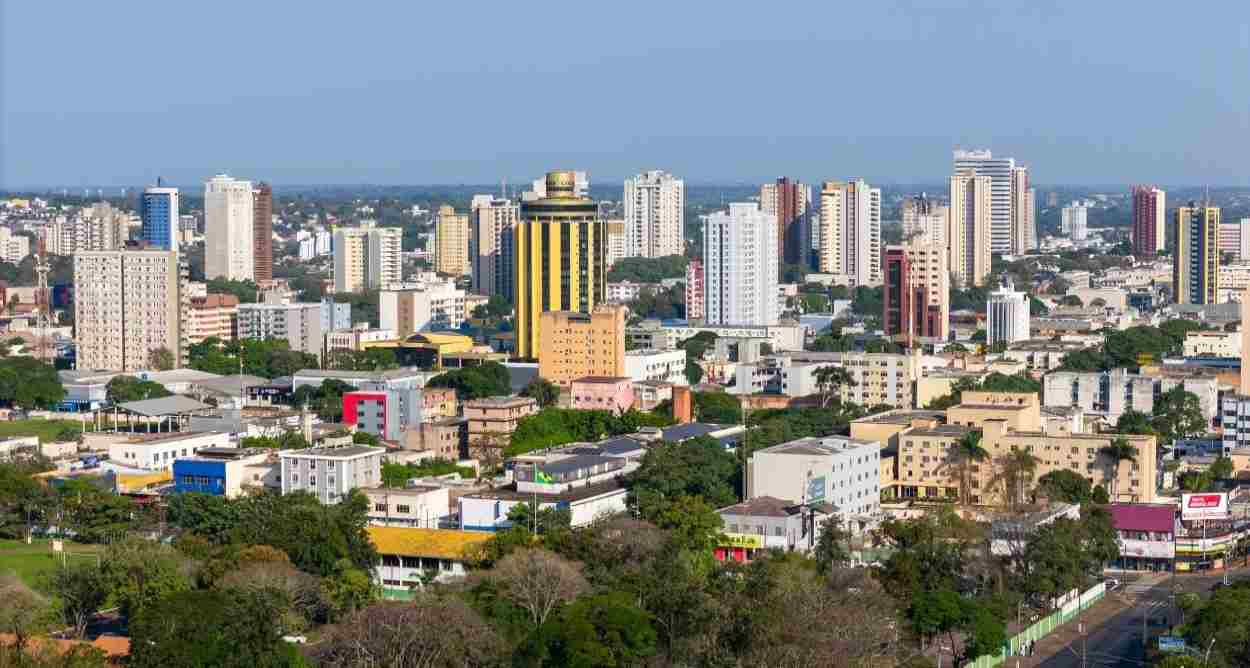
(694, 290)
(367, 257)
(969, 231)
(538, 188)
(1196, 263)
(1245, 343)
(618, 241)
(1011, 214)
(13, 247)
(213, 315)
(262, 238)
(1073, 219)
(740, 267)
(917, 292)
(451, 243)
(788, 201)
(490, 244)
(417, 307)
(158, 212)
(98, 227)
(560, 251)
(925, 220)
(126, 304)
(576, 344)
(1149, 220)
(229, 235)
(1235, 239)
(655, 204)
(299, 324)
(1007, 316)
(850, 231)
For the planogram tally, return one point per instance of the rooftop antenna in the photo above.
(42, 310)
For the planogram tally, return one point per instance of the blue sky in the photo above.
(117, 93)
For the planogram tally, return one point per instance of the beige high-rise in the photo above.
(969, 232)
(490, 244)
(575, 345)
(126, 304)
(850, 231)
(451, 243)
(927, 268)
(832, 206)
(367, 257)
(925, 221)
(1023, 232)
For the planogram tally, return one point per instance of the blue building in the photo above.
(196, 474)
(335, 316)
(227, 472)
(158, 209)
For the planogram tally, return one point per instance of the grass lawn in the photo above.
(30, 562)
(46, 430)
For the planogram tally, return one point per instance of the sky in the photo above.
(426, 92)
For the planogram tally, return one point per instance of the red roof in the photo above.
(1143, 517)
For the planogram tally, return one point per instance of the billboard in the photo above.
(815, 489)
(741, 540)
(1209, 506)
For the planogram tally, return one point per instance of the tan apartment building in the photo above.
(451, 243)
(928, 465)
(490, 244)
(126, 305)
(575, 344)
(213, 315)
(928, 270)
(492, 421)
(367, 257)
(969, 233)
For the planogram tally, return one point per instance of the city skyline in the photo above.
(356, 114)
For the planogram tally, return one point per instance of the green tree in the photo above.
(717, 407)
(225, 628)
(1084, 360)
(967, 454)
(80, 588)
(161, 359)
(830, 380)
(490, 379)
(244, 290)
(545, 392)
(697, 345)
(1064, 486)
(699, 467)
(693, 372)
(348, 590)
(1118, 451)
(1177, 415)
(594, 631)
(122, 389)
(1134, 422)
(831, 545)
(141, 573)
(648, 270)
(27, 383)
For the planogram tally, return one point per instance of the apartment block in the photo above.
(490, 244)
(1116, 391)
(740, 267)
(367, 257)
(432, 303)
(262, 233)
(925, 221)
(13, 247)
(1196, 261)
(300, 324)
(788, 201)
(1149, 220)
(655, 203)
(491, 421)
(917, 292)
(971, 209)
(668, 366)
(843, 472)
(331, 473)
(126, 304)
(451, 243)
(214, 315)
(229, 229)
(576, 344)
(694, 290)
(1007, 315)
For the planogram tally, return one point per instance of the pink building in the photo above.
(694, 290)
(604, 393)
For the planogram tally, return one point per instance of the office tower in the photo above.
(538, 188)
(1072, 221)
(367, 257)
(917, 292)
(1235, 239)
(1007, 316)
(1149, 220)
(126, 304)
(788, 201)
(576, 344)
(560, 251)
(490, 244)
(850, 231)
(925, 220)
(969, 233)
(229, 238)
(262, 227)
(158, 211)
(1196, 263)
(740, 266)
(1011, 221)
(451, 243)
(618, 241)
(655, 203)
(694, 290)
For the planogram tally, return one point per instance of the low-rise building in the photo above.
(651, 393)
(489, 510)
(667, 366)
(300, 325)
(1019, 411)
(387, 413)
(158, 453)
(575, 344)
(354, 339)
(425, 506)
(331, 473)
(1041, 354)
(446, 438)
(213, 315)
(665, 335)
(1111, 393)
(841, 471)
(410, 557)
(1009, 536)
(1213, 344)
(604, 393)
(879, 378)
(228, 472)
(491, 421)
(765, 523)
(1146, 534)
(392, 379)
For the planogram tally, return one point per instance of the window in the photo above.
(403, 509)
(379, 507)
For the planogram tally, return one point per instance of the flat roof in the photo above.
(762, 506)
(337, 452)
(603, 380)
(175, 436)
(576, 494)
(499, 401)
(904, 416)
(434, 543)
(172, 405)
(819, 446)
(681, 432)
(942, 430)
(577, 462)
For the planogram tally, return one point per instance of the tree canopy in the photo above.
(490, 379)
(647, 269)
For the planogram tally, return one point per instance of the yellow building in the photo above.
(1021, 411)
(575, 345)
(451, 243)
(560, 252)
(1196, 267)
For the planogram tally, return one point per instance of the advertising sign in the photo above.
(1204, 506)
(750, 540)
(816, 489)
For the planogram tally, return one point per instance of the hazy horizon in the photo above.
(1085, 94)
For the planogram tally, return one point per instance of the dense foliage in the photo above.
(398, 475)
(490, 379)
(647, 269)
(25, 382)
(557, 426)
(269, 358)
(128, 388)
(326, 400)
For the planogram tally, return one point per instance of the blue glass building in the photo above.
(158, 209)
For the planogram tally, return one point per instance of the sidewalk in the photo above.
(1066, 639)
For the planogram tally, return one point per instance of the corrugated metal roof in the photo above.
(434, 543)
(1143, 517)
(163, 406)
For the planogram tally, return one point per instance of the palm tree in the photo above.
(1018, 468)
(967, 451)
(1119, 450)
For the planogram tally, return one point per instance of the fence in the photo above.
(1043, 627)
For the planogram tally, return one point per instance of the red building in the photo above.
(262, 237)
(1149, 206)
(906, 310)
(694, 290)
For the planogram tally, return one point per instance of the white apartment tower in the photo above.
(655, 203)
(968, 234)
(1007, 315)
(229, 242)
(1011, 199)
(1073, 219)
(367, 257)
(850, 231)
(740, 266)
(490, 244)
(126, 304)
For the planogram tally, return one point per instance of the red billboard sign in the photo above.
(1204, 507)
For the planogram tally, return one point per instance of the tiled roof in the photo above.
(1144, 517)
(434, 543)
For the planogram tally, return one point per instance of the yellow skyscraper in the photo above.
(1196, 265)
(560, 252)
